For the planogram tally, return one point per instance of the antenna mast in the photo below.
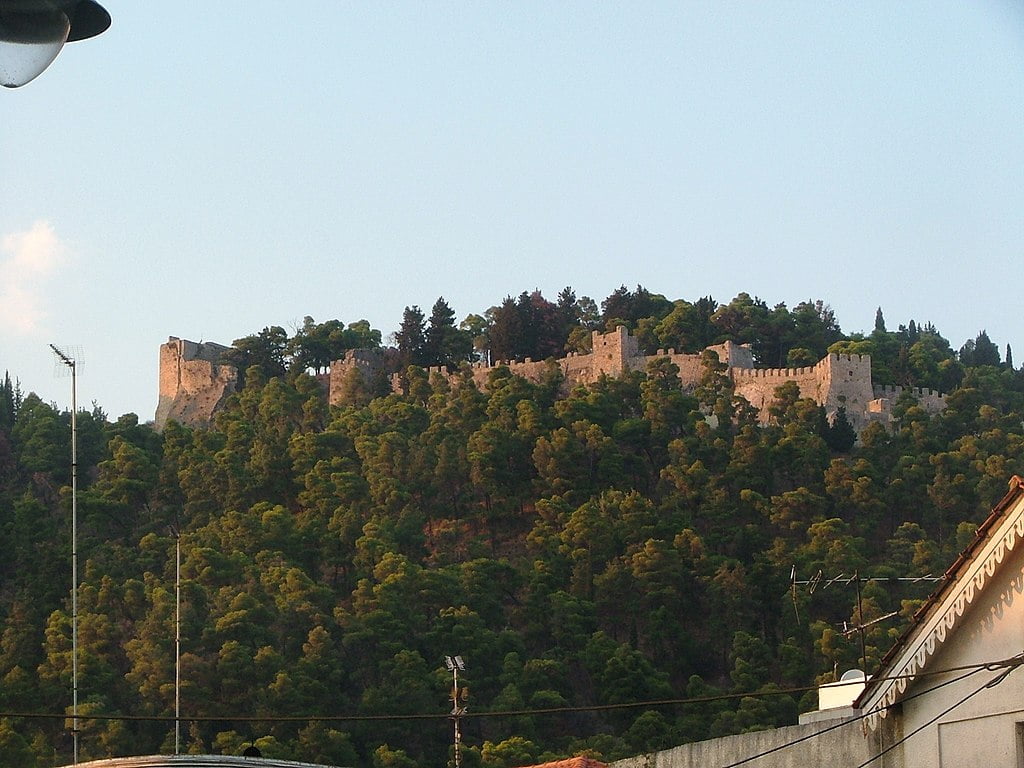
(454, 664)
(72, 365)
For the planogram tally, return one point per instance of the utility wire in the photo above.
(1010, 666)
(846, 721)
(1005, 665)
(969, 668)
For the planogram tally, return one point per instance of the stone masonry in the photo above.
(193, 383)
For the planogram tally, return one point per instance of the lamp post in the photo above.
(33, 32)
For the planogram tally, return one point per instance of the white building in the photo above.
(976, 717)
(947, 695)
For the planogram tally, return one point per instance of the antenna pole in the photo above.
(177, 642)
(455, 711)
(454, 664)
(71, 364)
(861, 626)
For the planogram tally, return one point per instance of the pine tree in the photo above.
(410, 337)
(985, 351)
(444, 344)
(879, 320)
(7, 403)
(439, 330)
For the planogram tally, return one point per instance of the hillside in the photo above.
(626, 542)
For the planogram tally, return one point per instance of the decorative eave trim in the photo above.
(967, 578)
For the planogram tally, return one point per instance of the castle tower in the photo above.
(613, 353)
(193, 382)
(846, 383)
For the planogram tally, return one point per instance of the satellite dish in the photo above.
(850, 675)
(252, 751)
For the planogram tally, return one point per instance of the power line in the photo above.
(1005, 665)
(990, 684)
(971, 668)
(845, 722)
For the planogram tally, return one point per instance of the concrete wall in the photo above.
(846, 745)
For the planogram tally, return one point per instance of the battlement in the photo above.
(197, 350)
(928, 399)
(855, 359)
(774, 373)
(895, 392)
(194, 383)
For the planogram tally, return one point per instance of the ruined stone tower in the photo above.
(193, 382)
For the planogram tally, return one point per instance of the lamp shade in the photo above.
(33, 32)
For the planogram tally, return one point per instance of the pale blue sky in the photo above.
(206, 169)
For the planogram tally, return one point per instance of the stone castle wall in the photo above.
(836, 381)
(367, 362)
(880, 408)
(758, 385)
(193, 384)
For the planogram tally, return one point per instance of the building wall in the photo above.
(880, 408)
(846, 745)
(984, 731)
(758, 385)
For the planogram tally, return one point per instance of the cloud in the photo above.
(27, 260)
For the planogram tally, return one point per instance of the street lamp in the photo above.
(32, 33)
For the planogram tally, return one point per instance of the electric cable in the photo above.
(1006, 665)
(1016, 662)
(969, 668)
(846, 721)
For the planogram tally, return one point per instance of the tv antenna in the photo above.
(68, 360)
(856, 579)
(454, 664)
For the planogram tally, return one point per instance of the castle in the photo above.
(194, 383)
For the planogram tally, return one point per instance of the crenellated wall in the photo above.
(880, 408)
(193, 383)
(368, 362)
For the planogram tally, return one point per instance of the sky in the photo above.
(204, 170)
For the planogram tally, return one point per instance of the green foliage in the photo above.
(623, 542)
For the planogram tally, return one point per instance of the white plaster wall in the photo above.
(981, 733)
(845, 746)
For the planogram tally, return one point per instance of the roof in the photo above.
(580, 761)
(194, 761)
(1002, 531)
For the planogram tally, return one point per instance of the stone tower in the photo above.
(193, 382)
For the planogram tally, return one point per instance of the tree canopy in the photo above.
(627, 542)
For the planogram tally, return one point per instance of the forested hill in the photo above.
(610, 547)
